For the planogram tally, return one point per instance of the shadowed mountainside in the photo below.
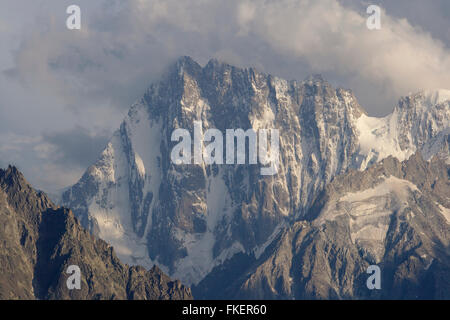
(38, 241)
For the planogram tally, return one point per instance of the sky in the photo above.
(64, 92)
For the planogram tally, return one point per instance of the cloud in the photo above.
(433, 16)
(389, 62)
(76, 147)
(58, 78)
(55, 159)
(126, 45)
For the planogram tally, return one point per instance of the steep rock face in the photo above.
(190, 218)
(395, 215)
(420, 122)
(38, 242)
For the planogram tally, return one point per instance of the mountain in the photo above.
(190, 219)
(39, 241)
(394, 215)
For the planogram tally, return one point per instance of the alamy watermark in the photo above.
(74, 280)
(73, 21)
(259, 150)
(374, 281)
(374, 20)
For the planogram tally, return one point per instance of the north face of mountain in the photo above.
(39, 241)
(395, 215)
(188, 219)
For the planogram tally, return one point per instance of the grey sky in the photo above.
(63, 92)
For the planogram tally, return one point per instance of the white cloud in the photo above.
(124, 47)
(333, 39)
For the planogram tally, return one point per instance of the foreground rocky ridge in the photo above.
(38, 241)
(395, 215)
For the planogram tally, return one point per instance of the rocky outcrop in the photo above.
(395, 215)
(39, 241)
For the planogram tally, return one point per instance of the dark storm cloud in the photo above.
(76, 147)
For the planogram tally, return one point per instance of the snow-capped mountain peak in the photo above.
(434, 97)
(190, 218)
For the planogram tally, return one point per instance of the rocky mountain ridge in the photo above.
(39, 241)
(395, 215)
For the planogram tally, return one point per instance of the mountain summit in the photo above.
(189, 219)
